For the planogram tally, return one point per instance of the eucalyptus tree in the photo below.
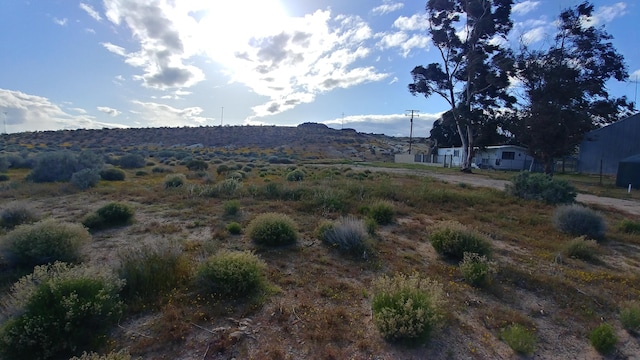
(473, 68)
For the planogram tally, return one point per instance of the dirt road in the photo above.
(628, 206)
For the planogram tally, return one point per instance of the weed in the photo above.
(348, 235)
(578, 220)
(407, 307)
(477, 269)
(537, 186)
(17, 213)
(120, 355)
(603, 338)
(630, 317)
(272, 229)
(382, 212)
(581, 248)
(231, 207)
(229, 187)
(44, 242)
(629, 226)
(232, 274)
(174, 181)
(234, 228)
(519, 338)
(452, 239)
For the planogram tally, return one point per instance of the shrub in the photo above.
(222, 169)
(232, 274)
(629, 226)
(61, 165)
(132, 161)
(151, 270)
(17, 213)
(477, 269)
(116, 213)
(86, 178)
(272, 229)
(234, 228)
(112, 174)
(45, 242)
(4, 177)
(59, 311)
(197, 165)
(452, 239)
(229, 187)
(581, 248)
(630, 317)
(603, 338)
(519, 338)
(578, 220)
(231, 207)
(174, 181)
(382, 212)
(160, 170)
(536, 186)
(295, 175)
(348, 235)
(407, 307)
(120, 355)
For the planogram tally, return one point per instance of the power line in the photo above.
(413, 113)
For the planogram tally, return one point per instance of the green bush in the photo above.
(407, 307)
(272, 229)
(160, 170)
(61, 165)
(295, 175)
(348, 235)
(603, 338)
(630, 317)
(577, 220)
(120, 355)
(537, 186)
(231, 207)
(151, 270)
(229, 187)
(519, 338)
(197, 165)
(234, 228)
(452, 239)
(112, 174)
(85, 178)
(112, 214)
(59, 311)
(629, 226)
(222, 169)
(174, 181)
(382, 212)
(477, 269)
(132, 161)
(45, 242)
(232, 274)
(17, 213)
(581, 248)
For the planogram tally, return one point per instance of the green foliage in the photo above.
(174, 181)
(151, 270)
(348, 235)
(120, 355)
(234, 228)
(17, 213)
(222, 169)
(629, 226)
(160, 170)
(232, 274)
(109, 215)
(272, 229)
(630, 317)
(59, 311)
(407, 307)
(452, 239)
(132, 161)
(112, 174)
(44, 242)
(477, 269)
(295, 175)
(603, 338)
(577, 220)
(519, 338)
(537, 186)
(382, 212)
(583, 249)
(85, 178)
(231, 207)
(229, 187)
(197, 165)
(61, 165)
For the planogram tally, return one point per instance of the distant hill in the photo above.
(308, 140)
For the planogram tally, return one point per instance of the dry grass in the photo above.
(322, 306)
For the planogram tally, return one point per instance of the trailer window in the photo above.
(508, 155)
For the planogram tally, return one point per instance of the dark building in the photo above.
(606, 147)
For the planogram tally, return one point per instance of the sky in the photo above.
(68, 64)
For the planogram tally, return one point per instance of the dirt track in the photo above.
(628, 206)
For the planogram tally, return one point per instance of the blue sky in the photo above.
(70, 64)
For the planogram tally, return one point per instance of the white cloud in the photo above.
(534, 35)
(387, 7)
(606, 14)
(61, 22)
(109, 111)
(394, 80)
(26, 112)
(156, 114)
(401, 40)
(417, 22)
(118, 50)
(91, 11)
(524, 7)
(391, 125)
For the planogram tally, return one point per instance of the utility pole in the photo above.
(342, 128)
(221, 115)
(413, 113)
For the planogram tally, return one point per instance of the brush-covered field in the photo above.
(244, 259)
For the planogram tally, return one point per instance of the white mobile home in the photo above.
(503, 157)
